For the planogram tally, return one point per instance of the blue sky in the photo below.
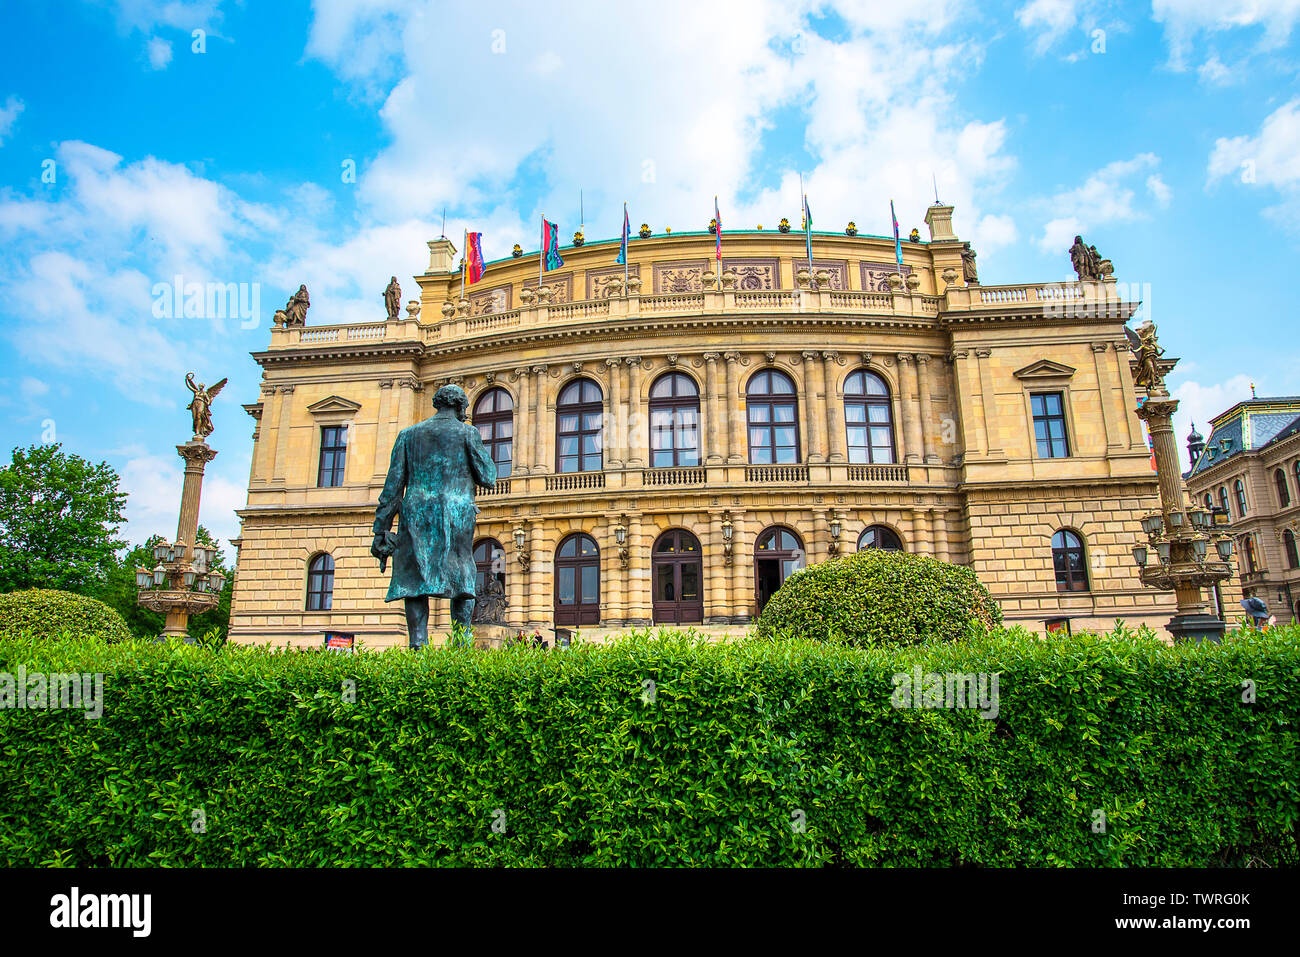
(133, 150)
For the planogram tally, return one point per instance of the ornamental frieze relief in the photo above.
(678, 277)
(875, 276)
(838, 269)
(490, 301)
(599, 285)
(754, 275)
(561, 287)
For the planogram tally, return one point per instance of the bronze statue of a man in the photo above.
(431, 478)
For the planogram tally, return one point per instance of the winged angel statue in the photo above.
(200, 406)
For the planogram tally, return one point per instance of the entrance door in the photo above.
(678, 577)
(577, 581)
(778, 554)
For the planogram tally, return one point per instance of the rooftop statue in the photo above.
(393, 299)
(200, 407)
(435, 467)
(1087, 262)
(295, 310)
(968, 272)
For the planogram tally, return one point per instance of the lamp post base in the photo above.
(1197, 628)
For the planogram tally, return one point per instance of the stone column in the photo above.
(742, 566)
(614, 456)
(1112, 403)
(522, 453)
(988, 397)
(284, 406)
(819, 547)
(383, 443)
(927, 425)
(941, 549)
(965, 388)
(268, 436)
(911, 418)
(834, 427)
(714, 438)
(545, 426)
(921, 530)
(735, 429)
(638, 571)
(715, 573)
(815, 395)
(516, 581)
(638, 433)
(196, 456)
(405, 403)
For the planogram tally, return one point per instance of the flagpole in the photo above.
(464, 261)
(625, 245)
(541, 255)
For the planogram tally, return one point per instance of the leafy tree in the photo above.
(59, 515)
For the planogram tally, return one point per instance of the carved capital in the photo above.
(712, 356)
(540, 370)
(731, 356)
(385, 383)
(831, 356)
(983, 353)
(1100, 346)
(633, 360)
(520, 372)
(903, 358)
(612, 363)
(922, 358)
(284, 389)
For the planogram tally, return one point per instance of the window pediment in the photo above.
(334, 405)
(1044, 369)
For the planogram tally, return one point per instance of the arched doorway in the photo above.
(778, 554)
(577, 581)
(678, 575)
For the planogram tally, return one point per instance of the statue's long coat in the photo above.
(435, 466)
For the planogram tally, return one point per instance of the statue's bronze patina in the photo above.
(200, 407)
(435, 467)
(295, 310)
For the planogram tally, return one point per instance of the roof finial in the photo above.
(1252, 390)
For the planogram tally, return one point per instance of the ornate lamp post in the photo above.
(181, 584)
(1181, 535)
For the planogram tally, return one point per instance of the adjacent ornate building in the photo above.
(1250, 467)
(670, 450)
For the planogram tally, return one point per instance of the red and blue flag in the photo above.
(474, 266)
(717, 215)
(550, 246)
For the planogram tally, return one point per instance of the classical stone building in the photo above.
(672, 449)
(1250, 466)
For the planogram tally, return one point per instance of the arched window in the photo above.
(489, 562)
(1297, 474)
(1288, 546)
(494, 417)
(674, 422)
(320, 582)
(778, 554)
(578, 416)
(1067, 559)
(1241, 498)
(1248, 550)
(773, 419)
(1209, 501)
(868, 418)
(880, 536)
(577, 581)
(1283, 491)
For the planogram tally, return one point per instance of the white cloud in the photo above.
(1198, 403)
(1186, 20)
(1213, 73)
(153, 486)
(1050, 19)
(9, 116)
(160, 53)
(1105, 197)
(670, 118)
(1269, 159)
(1159, 190)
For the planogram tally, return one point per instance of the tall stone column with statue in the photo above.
(1180, 533)
(435, 467)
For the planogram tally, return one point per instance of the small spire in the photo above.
(1252, 390)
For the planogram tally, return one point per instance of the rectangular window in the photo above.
(1049, 425)
(333, 454)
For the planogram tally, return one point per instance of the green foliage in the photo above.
(879, 597)
(44, 613)
(660, 750)
(58, 518)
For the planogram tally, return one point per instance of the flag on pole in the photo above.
(807, 229)
(550, 246)
(898, 243)
(474, 257)
(622, 246)
(717, 215)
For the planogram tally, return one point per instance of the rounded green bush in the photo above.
(879, 597)
(48, 613)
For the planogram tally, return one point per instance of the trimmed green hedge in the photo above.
(879, 597)
(581, 762)
(50, 613)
